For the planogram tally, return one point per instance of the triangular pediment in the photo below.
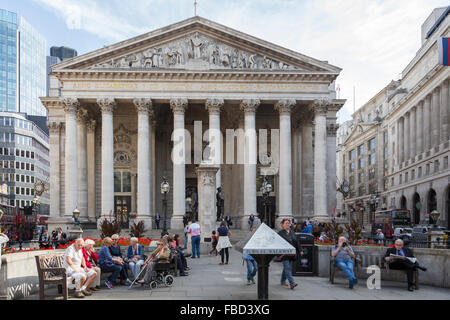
(195, 44)
(359, 129)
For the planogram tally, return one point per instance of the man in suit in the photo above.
(228, 221)
(157, 219)
(44, 240)
(403, 264)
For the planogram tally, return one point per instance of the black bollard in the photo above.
(263, 261)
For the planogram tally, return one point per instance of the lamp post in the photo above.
(165, 188)
(266, 189)
(374, 201)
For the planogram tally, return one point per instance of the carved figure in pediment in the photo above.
(136, 60)
(213, 54)
(242, 64)
(197, 46)
(252, 61)
(225, 58)
(124, 63)
(234, 59)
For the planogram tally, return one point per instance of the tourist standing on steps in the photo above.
(195, 230)
(287, 234)
(224, 243)
(157, 219)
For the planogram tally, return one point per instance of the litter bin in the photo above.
(305, 265)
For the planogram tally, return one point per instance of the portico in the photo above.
(139, 102)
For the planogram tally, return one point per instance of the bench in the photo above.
(366, 259)
(51, 271)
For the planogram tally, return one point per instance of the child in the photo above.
(214, 243)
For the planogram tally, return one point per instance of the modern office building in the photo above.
(24, 158)
(22, 66)
(63, 53)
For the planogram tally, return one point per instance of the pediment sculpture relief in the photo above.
(193, 52)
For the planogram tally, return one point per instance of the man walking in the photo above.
(195, 230)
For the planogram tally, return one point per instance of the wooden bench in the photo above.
(51, 271)
(364, 260)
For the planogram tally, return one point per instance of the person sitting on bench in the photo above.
(409, 265)
(159, 255)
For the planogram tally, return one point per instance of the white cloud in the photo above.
(372, 40)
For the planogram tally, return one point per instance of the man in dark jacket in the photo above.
(403, 264)
(289, 235)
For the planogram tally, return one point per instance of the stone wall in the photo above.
(437, 261)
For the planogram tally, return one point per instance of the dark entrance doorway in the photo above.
(268, 217)
(122, 210)
(403, 202)
(416, 208)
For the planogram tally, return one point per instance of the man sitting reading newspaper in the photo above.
(400, 258)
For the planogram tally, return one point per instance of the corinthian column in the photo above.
(107, 106)
(71, 156)
(249, 106)
(406, 136)
(427, 124)
(435, 127)
(55, 191)
(82, 117)
(285, 107)
(320, 160)
(91, 169)
(144, 174)
(214, 107)
(178, 107)
(445, 108)
(412, 133)
(419, 127)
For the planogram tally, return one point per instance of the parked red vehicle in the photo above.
(388, 220)
(19, 225)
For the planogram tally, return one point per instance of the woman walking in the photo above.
(223, 243)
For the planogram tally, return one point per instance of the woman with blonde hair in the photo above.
(107, 264)
(135, 257)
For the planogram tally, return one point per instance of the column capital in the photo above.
(285, 106)
(332, 129)
(428, 96)
(437, 89)
(107, 105)
(214, 106)
(53, 126)
(250, 105)
(82, 116)
(321, 106)
(70, 105)
(143, 105)
(179, 105)
(91, 124)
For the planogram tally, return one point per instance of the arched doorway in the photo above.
(403, 202)
(417, 205)
(432, 204)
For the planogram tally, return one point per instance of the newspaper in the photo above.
(399, 257)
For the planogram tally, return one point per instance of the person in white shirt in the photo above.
(76, 268)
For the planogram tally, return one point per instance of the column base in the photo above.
(176, 223)
(321, 218)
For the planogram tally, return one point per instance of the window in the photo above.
(22, 178)
(22, 191)
(32, 191)
(22, 153)
(28, 154)
(372, 159)
(17, 177)
(361, 149)
(427, 172)
(445, 162)
(406, 177)
(372, 144)
(32, 167)
(436, 165)
(352, 155)
(413, 174)
(22, 165)
(372, 173)
(17, 153)
(28, 166)
(352, 167)
(27, 179)
(32, 155)
(27, 191)
(17, 165)
(419, 174)
(32, 179)
(17, 190)
(122, 181)
(361, 163)
(400, 179)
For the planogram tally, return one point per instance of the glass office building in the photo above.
(23, 76)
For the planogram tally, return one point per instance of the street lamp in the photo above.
(165, 188)
(266, 189)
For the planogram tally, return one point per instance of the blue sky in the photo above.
(372, 40)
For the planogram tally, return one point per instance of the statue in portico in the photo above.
(197, 46)
(219, 203)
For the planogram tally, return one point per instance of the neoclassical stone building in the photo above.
(118, 115)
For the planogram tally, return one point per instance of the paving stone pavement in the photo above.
(208, 280)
